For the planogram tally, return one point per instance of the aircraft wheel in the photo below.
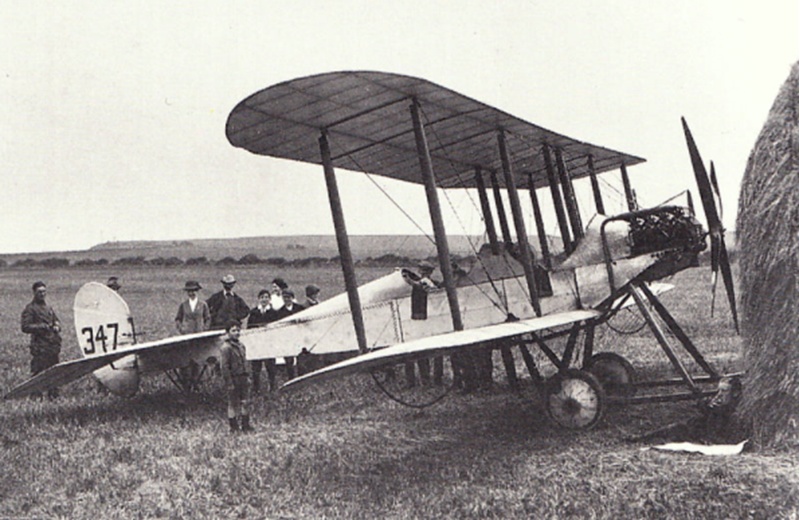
(615, 373)
(574, 399)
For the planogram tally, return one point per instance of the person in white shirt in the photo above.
(278, 286)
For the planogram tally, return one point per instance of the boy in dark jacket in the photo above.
(236, 375)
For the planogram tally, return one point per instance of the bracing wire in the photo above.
(462, 183)
(386, 194)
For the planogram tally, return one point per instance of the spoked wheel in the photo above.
(574, 399)
(187, 379)
(417, 384)
(614, 373)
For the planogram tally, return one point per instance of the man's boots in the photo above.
(234, 424)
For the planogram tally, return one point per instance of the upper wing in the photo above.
(365, 115)
(436, 345)
(69, 371)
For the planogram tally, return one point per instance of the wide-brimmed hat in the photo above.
(228, 278)
(192, 285)
(311, 290)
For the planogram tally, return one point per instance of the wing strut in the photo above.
(442, 247)
(598, 195)
(519, 223)
(626, 184)
(573, 212)
(487, 211)
(342, 241)
(537, 215)
(558, 204)
(501, 210)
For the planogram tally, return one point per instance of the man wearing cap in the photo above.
(307, 362)
(419, 291)
(193, 314)
(40, 321)
(312, 293)
(419, 311)
(113, 283)
(226, 304)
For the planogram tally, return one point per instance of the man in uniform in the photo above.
(40, 321)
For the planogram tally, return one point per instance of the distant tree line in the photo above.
(387, 260)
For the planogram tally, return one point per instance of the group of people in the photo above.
(228, 310)
(223, 310)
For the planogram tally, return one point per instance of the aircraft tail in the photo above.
(103, 323)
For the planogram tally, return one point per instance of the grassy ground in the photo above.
(341, 450)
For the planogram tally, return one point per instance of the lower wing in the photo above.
(436, 345)
(68, 371)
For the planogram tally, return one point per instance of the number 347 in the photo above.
(103, 337)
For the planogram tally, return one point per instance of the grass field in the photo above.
(341, 450)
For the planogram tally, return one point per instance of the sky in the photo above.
(113, 120)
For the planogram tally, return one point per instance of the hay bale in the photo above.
(767, 230)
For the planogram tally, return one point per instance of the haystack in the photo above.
(767, 231)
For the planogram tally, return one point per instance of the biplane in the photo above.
(510, 295)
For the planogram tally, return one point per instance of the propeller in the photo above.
(709, 195)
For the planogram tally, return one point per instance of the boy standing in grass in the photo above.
(236, 375)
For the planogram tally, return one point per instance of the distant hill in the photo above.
(288, 247)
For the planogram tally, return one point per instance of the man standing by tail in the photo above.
(40, 321)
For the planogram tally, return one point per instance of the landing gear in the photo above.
(614, 373)
(187, 379)
(574, 399)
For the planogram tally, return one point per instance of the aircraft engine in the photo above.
(120, 377)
